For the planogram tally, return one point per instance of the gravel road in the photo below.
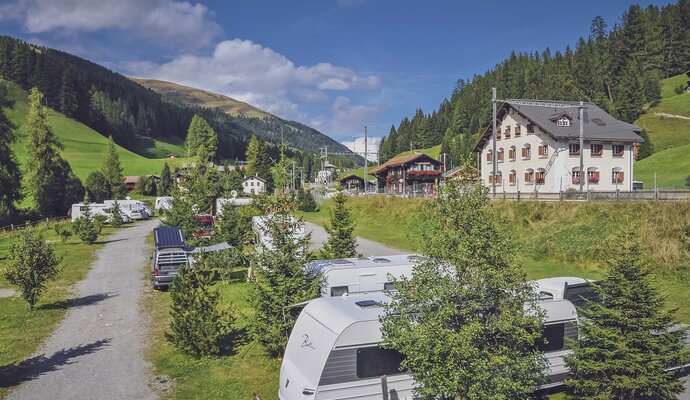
(97, 351)
(367, 247)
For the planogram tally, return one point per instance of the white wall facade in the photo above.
(253, 185)
(559, 175)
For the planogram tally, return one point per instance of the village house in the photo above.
(131, 182)
(415, 173)
(253, 185)
(353, 183)
(538, 149)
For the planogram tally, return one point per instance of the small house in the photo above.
(253, 185)
(131, 182)
(416, 173)
(353, 183)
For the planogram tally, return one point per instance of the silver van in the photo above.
(168, 257)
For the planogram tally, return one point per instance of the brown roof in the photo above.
(132, 179)
(351, 176)
(400, 160)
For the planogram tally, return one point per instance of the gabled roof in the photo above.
(598, 124)
(401, 160)
(254, 177)
(131, 179)
(352, 176)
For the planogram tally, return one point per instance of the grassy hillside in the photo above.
(197, 97)
(553, 239)
(670, 137)
(84, 147)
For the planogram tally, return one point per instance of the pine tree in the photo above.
(67, 96)
(281, 174)
(45, 174)
(199, 327)
(10, 176)
(467, 320)
(85, 226)
(258, 161)
(202, 140)
(97, 187)
(341, 242)
(112, 170)
(116, 218)
(627, 343)
(31, 263)
(166, 181)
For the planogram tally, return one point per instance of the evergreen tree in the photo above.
(281, 174)
(199, 327)
(67, 96)
(31, 263)
(467, 320)
(74, 190)
(232, 180)
(281, 280)
(626, 343)
(112, 171)
(85, 226)
(258, 161)
(202, 140)
(46, 176)
(97, 187)
(166, 181)
(341, 242)
(306, 201)
(116, 218)
(10, 177)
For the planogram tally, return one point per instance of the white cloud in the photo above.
(175, 23)
(357, 146)
(267, 79)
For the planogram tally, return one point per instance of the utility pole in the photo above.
(580, 110)
(494, 160)
(366, 161)
(293, 175)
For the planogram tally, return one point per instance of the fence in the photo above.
(618, 195)
(12, 227)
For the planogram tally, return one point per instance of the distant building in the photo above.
(353, 183)
(131, 182)
(415, 173)
(254, 185)
(538, 149)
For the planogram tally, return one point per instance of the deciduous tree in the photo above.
(98, 187)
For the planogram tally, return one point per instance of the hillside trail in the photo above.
(676, 116)
(97, 350)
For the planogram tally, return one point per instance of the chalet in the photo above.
(538, 149)
(409, 174)
(131, 182)
(253, 185)
(353, 183)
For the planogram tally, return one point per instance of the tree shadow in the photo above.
(77, 302)
(29, 369)
(236, 276)
(111, 241)
(229, 343)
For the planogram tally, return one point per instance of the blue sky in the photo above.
(336, 65)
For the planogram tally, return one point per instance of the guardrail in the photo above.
(618, 195)
(12, 227)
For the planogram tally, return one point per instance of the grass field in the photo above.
(553, 239)
(22, 331)
(84, 147)
(672, 167)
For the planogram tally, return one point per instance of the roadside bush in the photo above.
(199, 327)
(680, 89)
(63, 231)
(30, 264)
(98, 222)
(85, 227)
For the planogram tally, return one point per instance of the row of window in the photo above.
(517, 131)
(251, 183)
(536, 176)
(596, 150)
(526, 153)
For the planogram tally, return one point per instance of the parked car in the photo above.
(168, 257)
(137, 215)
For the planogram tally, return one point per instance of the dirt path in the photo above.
(676, 116)
(367, 247)
(97, 351)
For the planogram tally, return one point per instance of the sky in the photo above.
(335, 65)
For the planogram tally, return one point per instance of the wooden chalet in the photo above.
(353, 183)
(415, 173)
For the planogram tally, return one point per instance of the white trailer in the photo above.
(334, 350)
(164, 203)
(94, 208)
(262, 234)
(128, 206)
(362, 275)
(235, 201)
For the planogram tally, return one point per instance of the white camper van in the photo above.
(95, 208)
(129, 206)
(235, 201)
(361, 275)
(333, 351)
(164, 203)
(262, 236)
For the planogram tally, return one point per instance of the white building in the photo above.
(538, 149)
(254, 185)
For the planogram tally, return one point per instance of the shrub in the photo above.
(85, 227)
(306, 201)
(97, 187)
(63, 231)
(687, 181)
(116, 219)
(680, 89)
(30, 264)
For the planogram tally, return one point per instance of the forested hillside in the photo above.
(618, 68)
(134, 115)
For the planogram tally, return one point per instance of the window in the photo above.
(530, 128)
(500, 155)
(338, 291)
(551, 338)
(489, 156)
(511, 153)
(499, 178)
(507, 131)
(252, 183)
(563, 121)
(574, 149)
(529, 176)
(597, 150)
(576, 176)
(593, 176)
(617, 176)
(512, 177)
(389, 286)
(526, 151)
(518, 130)
(543, 150)
(617, 150)
(539, 177)
(372, 362)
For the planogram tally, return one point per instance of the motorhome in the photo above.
(334, 349)
(361, 275)
(169, 256)
(262, 234)
(164, 203)
(128, 206)
(235, 201)
(95, 208)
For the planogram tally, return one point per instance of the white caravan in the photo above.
(262, 235)
(164, 203)
(362, 275)
(333, 351)
(235, 201)
(128, 206)
(94, 208)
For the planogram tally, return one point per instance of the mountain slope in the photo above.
(84, 147)
(201, 98)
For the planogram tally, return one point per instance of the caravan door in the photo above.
(367, 281)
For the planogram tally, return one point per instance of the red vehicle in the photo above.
(206, 222)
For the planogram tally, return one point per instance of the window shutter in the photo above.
(526, 176)
(491, 179)
(596, 175)
(620, 177)
(488, 156)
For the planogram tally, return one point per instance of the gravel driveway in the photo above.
(367, 247)
(97, 351)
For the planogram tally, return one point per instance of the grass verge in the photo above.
(21, 331)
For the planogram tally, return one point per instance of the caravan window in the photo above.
(373, 362)
(338, 291)
(552, 338)
(389, 286)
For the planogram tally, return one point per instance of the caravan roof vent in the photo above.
(340, 261)
(368, 303)
(380, 260)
